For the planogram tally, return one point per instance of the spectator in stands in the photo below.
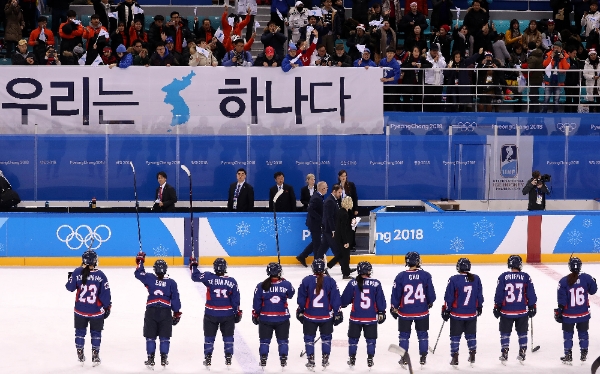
(457, 80)
(535, 62)
(59, 13)
(205, 30)
(518, 56)
(137, 32)
(413, 73)
(21, 56)
(463, 42)
(177, 57)
(401, 54)
(489, 83)
(107, 56)
(499, 49)
(331, 26)
(434, 80)
(561, 13)
(136, 47)
(238, 57)
(103, 8)
(550, 36)
(315, 24)
(187, 52)
(421, 7)
(387, 38)
(161, 56)
(298, 19)
(412, 18)
(29, 9)
(179, 31)
(281, 6)
(591, 19)
(442, 14)
(416, 39)
(119, 37)
(485, 4)
(291, 60)
(390, 78)
(206, 57)
(238, 24)
(360, 11)
(247, 8)
(193, 57)
(443, 40)
(125, 59)
(484, 38)
(554, 77)
(268, 58)
(142, 59)
(306, 50)
(96, 37)
(573, 78)
(476, 17)
(127, 11)
(375, 13)
(591, 73)
(217, 48)
(321, 58)
(157, 32)
(580, 7)
(358, 37)
(50, 58)
(513, 35)
(365, 61)
(13, 31)
(40, 38)
(338, 5)
(340, 58)
(273, 37)
(532, 34)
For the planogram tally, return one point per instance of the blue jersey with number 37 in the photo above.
(575, 298)
(515, 293)
(412, 294)
(92, 297)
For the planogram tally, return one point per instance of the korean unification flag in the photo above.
(42, 36)
(361, 48)
(279, 14)
(230, 21)
(104, 33)
(219, 35)
(137, 10)
(204, 52)
(97, 61)
(114, 15)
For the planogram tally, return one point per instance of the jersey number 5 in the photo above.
(91, 298)
(409, 297)
(365, 300)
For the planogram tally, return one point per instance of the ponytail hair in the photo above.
(160, 276)
(360, 280)
(319, 282)
(266, 284)
(85, 273)
(572, 278)
(470, 276)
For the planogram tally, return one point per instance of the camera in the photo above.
(545, 178)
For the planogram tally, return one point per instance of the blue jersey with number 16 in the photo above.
(412, 294)
(575, 298)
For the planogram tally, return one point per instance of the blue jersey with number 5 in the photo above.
(412, 294)
(222, 294)
(91, 298)
(321, 306)
(365, 303)
(515, 293)
(575, 298)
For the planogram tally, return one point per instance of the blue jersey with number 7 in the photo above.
(412, 294)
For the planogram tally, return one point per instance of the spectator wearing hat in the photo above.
(274, 38)
(443, 39)
(291, 60)
(13, 29)
(321, 57)
(441, 14)
(550, 36)
(556, 65)
(365, 61)
(358, 37)
(390, 78)
(103, 8)
(203, 56)
(268, 58)
(180, 32)
(283, 6)
(298, 19)
(238, 57)
(412, 18)
(573, 78)
(513, 35)
(107, 56)
(340, 58)
(434, 80)
(125, 58)
(119, 36)
(591, 72)
(161, 56)
(21, 56)
(41, 37)
(157, 32)
(413, 74)
(476, 17)
(177, 57)
(401, 56)
(126, 13)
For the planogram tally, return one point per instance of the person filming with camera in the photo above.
(537, 190)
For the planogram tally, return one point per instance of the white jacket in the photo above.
(590, 22)
(435, 75)
(588, 74)
(242, 6)
(297, 20)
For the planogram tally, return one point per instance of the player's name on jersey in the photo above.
(91, 277)
(277, 289)
(514, 276)
(221, 282)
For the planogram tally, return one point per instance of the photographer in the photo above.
(9, 198)
(537, 190)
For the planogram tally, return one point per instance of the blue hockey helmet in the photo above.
(463, 265)
(575, 265)
(220, 265)
(318, 265)
(515, 262)
(89, 257)
(160, 267)
(413, 259)
(274, 269)
(364, 268)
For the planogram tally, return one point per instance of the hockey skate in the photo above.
(228, 360)
(80, 355)
(521, 356)
(472, 357)
(423, 359)
(370, 362)
(567, 359)
(454, 361)
(207, 361)
(352, 360)
(310, 365)
(263, 361)
(95, 357)
(325, 361)
(163, 359)
(150, 362)
(403, 363)
(584, 353)
(283, 361)
(504, 356)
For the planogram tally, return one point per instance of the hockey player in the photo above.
(270, 312)
(368, 309)
(92, 303)
(319, 307)
(412, 297)
(574, 308)
(514, 301)
(162, 298)
(222, 308)
(463, 303)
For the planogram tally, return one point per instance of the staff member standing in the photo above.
(349, 189)
(314, 219)
(165, 196)
(241, 194)
(330, 210)
(287, 201)
(343, 236)
(307, 191)
(537, 191)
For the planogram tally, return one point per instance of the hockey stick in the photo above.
(315, 342)
(402, 353)
(537, 348)
(279, 193)
(438, 339)
(187, 171)
(595, 365)
(137, 210)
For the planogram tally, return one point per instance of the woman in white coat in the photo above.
(591, 73)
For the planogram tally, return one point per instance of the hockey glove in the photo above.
(381, 317)
(558, 314)
(479, 310)
(497, 309)
(255, 318)
(107, 312)
(70, 274)
(429, 306)
(394, 312)
(531, 311)
(445, 313)
(238, 316)
(193, 263)
(339, 318)
(140, 258)
(176, 318)
(300, 315)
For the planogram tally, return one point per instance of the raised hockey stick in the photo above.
(595, 365)
(279, 193)
(438, 339)
(187, 171)
(402, 353)
(304, 352)
(537, 348)
(137, 211)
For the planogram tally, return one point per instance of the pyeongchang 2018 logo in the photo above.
(509, 162)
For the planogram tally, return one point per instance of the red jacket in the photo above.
(73, 35)
(307, 54)
(133, 35)
(35, 34)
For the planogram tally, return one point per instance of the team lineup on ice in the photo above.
(356, 338)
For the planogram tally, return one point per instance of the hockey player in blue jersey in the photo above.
(514, 302)
(574, 308)
(319, 307)
(92, 303)
(412, 297)
(270, 312)
(222, 308)
(463, 303)
(162, 298)
(368, 309)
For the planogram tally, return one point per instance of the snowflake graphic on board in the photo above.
(575, 237)
(484, 230)
(596, 242)
(261, 247)
(267, 226)
(587, 223)
(438, 225)
(231, 241)
(242, 229)
(1, 247)
(160, 251)
(457, 244)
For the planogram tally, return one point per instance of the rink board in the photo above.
(55, 239)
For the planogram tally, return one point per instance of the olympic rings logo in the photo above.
(83, 234)
(466, 126)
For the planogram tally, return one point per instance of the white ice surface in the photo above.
(37, 335)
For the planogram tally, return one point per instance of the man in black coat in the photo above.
(330, 209)
(537, 191)
(241, 194)
(102, 8)
(314, 220)
(287, 201)
(165, 196)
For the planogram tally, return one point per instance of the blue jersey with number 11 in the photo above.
(412, 294)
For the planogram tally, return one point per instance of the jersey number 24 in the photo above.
(410, 294)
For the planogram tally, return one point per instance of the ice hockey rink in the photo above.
(36, 323)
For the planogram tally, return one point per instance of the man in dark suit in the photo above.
(287, 201)
(330, 209)
(314, 219)
(165, 196)
(241, 194)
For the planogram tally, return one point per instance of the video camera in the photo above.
(546, 178)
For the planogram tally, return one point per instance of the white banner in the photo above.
(186, 100)
(511, 165)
